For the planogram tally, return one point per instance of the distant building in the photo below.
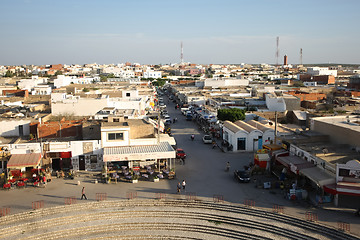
(285, 60)
(354, 82)
(321, 71)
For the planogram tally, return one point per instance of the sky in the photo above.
(151, 31)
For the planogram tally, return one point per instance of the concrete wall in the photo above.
(10, 128)
(275, 103)
(25, 148)
(80, 107)
(59, 129)
(338, 134)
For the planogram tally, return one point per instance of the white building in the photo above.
(29, 84)
(15, 127)
(62, 81)
(275, 103)
(152, 74)
(321, 71)
(41, 90)
(135, 143)
(225, 82)
(268, 135)
(242, 136)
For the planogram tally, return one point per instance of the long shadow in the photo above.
(52, 196)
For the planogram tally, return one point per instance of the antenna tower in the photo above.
(277, 51)
(182, 54)
(301, 62)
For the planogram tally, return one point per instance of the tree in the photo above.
(9, 74)
(103, 78)
(86, 90)
(231, 114)
(58, 72)
(158, 82)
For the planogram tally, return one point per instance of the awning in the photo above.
(294, 163)
(160, 151)
(318, 176)
(330, 188)
(343, 188)
(24, 160)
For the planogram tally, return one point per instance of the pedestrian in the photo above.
(183, 184)
(178, 187)
(183, 160)
(83, 194)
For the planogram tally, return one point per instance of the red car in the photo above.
(180, 153)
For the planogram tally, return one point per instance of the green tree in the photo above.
(158, 82)
(58, 72)
(9, 74)
(231, 114)
(103, 78)
(86, 90)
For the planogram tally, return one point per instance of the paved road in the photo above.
(203, 172)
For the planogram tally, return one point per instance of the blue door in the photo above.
(260, 142)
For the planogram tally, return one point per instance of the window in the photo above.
(116, 120)
(93, 158)
(115, 136)
(226, 136)
(128, 94)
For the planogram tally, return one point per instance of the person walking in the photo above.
(183, 184)
(83, 194)
(178, 187)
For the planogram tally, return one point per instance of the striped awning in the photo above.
(24, 160)
(144, 152)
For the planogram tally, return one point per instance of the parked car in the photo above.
(180, 153)
(242, 176)
(207, 139)
(189, 117)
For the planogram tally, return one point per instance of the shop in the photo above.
(23, 168)
(145, 160)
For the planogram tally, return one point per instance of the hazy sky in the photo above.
(150, 31)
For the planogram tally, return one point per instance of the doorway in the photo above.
(56, 164)
(81, 162)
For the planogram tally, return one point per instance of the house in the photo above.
(254, 140)
(242, 136)
(268, 135)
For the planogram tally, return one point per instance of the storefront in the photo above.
(160, 156)
(22, 165)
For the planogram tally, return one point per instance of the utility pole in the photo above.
(158, 130)
(277, 51)
(182, 54)
(275, 140)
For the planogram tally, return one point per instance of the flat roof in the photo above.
(351, 122)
